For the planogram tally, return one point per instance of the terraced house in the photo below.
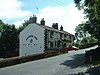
(38, 38)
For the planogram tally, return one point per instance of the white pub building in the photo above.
(37, 38)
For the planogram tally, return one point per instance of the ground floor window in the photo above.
(51, 44)
(64, 44)
(55, 43)
(58, 43)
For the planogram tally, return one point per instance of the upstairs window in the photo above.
(51, 34)
(61, 35)
(64, 35)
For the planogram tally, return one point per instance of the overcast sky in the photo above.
(62, 12)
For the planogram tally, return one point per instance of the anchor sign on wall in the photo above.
(30, 37)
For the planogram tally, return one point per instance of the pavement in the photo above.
(65, 64)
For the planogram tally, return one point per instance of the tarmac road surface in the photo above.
(65, 64)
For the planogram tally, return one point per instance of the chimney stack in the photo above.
(55, 25)
(42, 22)
(30, 19)
(61, 28)
(33, 19)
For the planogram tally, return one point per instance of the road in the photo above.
(65, 64)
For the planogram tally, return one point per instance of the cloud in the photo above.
(19, 22)
(11, 9)
(68, 16)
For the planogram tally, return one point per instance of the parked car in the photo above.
(72, 48)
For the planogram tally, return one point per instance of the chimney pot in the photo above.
(42, 22)
(61, 28)
(33, 19)
(55, 25)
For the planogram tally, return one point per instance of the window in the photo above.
(64, 35)
(58, 43)
(70, 36)
(55, 43)
(51, 34)
(64, 44)
(51, 44)
(61, 35)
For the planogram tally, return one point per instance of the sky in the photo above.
(62, 12)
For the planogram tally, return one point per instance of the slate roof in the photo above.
(56, 30)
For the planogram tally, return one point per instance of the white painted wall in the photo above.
(35, 34)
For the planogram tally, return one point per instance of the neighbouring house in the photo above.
(37, 38)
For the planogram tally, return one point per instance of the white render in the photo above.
(36, 38)
(31, 40)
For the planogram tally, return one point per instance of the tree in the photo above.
(1, 25)
(81, 31)
(82, 36)
(92, 10)
(8, 38)
(26, 23)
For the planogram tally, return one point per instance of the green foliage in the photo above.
(88, 40)
(92, 10)
(81, 31)
(82, 36)
(1, 24)
(26, 23)
(8, 38)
